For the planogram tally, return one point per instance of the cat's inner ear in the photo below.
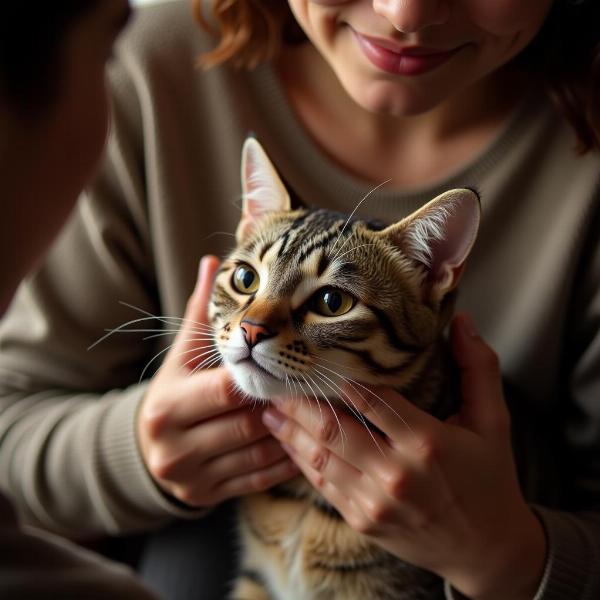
(262, 188)
(440, 236)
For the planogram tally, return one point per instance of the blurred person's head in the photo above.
(53, 119)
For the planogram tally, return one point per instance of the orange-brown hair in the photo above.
(250, 31)
(565, 55)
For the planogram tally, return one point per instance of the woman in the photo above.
(430, 94)
(51, 99)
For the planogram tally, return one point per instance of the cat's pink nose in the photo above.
(254, 332)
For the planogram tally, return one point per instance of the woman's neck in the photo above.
(413, 151)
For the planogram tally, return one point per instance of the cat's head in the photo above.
(310, 298)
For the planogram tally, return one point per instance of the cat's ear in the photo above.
(263, 191)
(440, 236)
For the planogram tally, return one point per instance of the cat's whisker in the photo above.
(295, 389)
(351, 381)
(291, 384)
(159, 331)
(357, 415)
(172, 322)
(119, 329)
(201, 365)
(125, 328)
(352, 213)
(210, 353)
(206, 364)
(165, 333)
(315, 397)
(227, 233)
(338, 256)
(165, 317)
(294, 395)
(147, 365)
(330, 383)
(213, 347)
(304, 394)
(201, 339)
(298, 392)
(343, 434)
(155, 357)
(288, 385)
(176, 328)
(353, 409)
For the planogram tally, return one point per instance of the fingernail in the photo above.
(468, 326)
(202, 267)
(201, 273)
(273, 419)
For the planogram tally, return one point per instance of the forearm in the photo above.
(71, 463)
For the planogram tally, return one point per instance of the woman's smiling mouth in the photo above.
(394, 58)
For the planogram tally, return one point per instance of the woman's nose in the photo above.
(410, 16)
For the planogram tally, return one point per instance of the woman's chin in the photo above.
(389, 98)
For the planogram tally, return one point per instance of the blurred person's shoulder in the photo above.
(155, 68)
(164, 32)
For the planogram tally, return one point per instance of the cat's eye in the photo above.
(245, 279)
(331, 302)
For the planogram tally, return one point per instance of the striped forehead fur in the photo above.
(357, 259)
(315, 236)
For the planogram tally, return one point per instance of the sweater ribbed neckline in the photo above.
(331, 181)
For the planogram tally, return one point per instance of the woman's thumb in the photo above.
(483, 408)
(196, 332)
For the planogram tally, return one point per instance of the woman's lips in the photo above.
(392, 58)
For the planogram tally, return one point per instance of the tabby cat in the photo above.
(308, 300)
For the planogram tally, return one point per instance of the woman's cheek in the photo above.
(508, 17)
(330, 2)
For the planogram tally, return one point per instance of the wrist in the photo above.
(511, 568)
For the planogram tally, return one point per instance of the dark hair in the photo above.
(564, 56)
(31, 45)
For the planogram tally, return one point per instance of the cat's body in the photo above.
(311, 301)
(295, 546)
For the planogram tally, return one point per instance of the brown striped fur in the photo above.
(294, 546)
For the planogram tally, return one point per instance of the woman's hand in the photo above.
(443, 496)
(200, 442)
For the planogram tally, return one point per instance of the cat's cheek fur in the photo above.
(255, 383)
(247, 375)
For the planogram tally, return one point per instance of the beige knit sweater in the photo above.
(68, 454)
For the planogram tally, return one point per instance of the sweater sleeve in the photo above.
(573, 566)
(572, 570)
(69, 458)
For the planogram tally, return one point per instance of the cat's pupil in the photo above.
(333, 300)
(247, 278)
